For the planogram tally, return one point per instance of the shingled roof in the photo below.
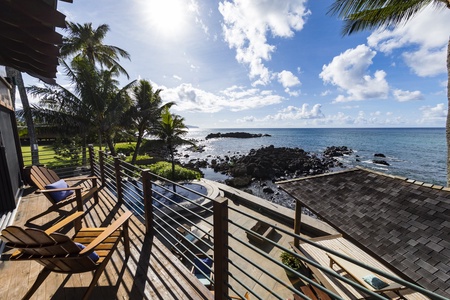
(403, 222)
(28, 41)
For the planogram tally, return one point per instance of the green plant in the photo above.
(290, 260)
(125, 148)
(164, 169)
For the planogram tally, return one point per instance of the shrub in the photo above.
(290, 260)
(164, 169)
(125, 148)
(141, 159)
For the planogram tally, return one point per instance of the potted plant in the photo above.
(291, 261)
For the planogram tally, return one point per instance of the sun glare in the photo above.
(168, 18)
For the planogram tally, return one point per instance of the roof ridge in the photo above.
(407, 180)
(318, 175)
(359, 168)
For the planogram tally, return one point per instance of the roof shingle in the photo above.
(403, 222)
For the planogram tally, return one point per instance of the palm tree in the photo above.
(144, 113)
(87, 42)
(99, 91)
(371, 14)
(171, 130)
(95, 104)
(64, 110)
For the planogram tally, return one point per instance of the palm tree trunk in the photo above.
(448, 115)
(136, 150)
(11, 72)
(110, 143)
(84, 149)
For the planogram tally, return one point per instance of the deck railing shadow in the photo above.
(240, 266)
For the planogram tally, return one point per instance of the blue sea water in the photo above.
(416, 153)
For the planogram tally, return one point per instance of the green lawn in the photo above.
(48, 157)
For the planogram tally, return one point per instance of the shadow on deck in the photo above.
(151, 271)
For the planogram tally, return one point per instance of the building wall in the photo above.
(10, 167)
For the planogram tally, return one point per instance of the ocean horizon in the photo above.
(417, 153)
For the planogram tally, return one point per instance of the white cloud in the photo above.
(247, 24)
(194, 7)
(191, 99)
(404, 96)
(430, 40)
(292, 93)
(426, 62)
(248, 119)
(177, 77)
(298, 113)
(325, 93)
(434, 114)
(349, 71)
(287, 79)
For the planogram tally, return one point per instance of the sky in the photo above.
(277, 63)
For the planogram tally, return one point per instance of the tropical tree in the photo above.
(63, 109)
(371, 14)
(83, 40)
(94, 102)
(171, 130)
(99, 91)
(144, 113)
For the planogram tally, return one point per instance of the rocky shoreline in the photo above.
(257, 171)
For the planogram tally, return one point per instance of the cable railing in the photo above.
(241, 265)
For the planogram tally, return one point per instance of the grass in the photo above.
(48, 157)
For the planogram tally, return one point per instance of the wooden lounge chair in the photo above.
(43, 177)
(89, 250)
(202, 269)
(188, 236)
(359, 273)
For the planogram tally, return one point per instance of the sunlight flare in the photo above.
(167, 19)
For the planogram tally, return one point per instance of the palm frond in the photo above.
(363, 14)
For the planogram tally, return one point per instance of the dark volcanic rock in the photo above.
(270, 163)
(268, 190)
(334, 151)
(380, 162)
(239, 181)
(239, 135)
(379, 155)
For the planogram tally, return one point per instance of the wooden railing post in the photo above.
(148, 207)
(117, 168)
(101, 162)
(297, 222)
(220, 248)
(91, 159)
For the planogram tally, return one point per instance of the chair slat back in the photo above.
(56, 251)
(42, 176)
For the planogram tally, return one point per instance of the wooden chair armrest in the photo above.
(73, 217)
(70, 188)
(81, 178)
(392, 287)
(105, 234)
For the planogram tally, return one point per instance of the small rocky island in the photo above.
(238, 135)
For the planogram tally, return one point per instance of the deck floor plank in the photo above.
(151, 271)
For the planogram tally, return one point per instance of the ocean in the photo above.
(415, 153)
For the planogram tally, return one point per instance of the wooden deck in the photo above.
(151, 271)
(346, 291)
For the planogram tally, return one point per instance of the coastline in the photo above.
(410, 152)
